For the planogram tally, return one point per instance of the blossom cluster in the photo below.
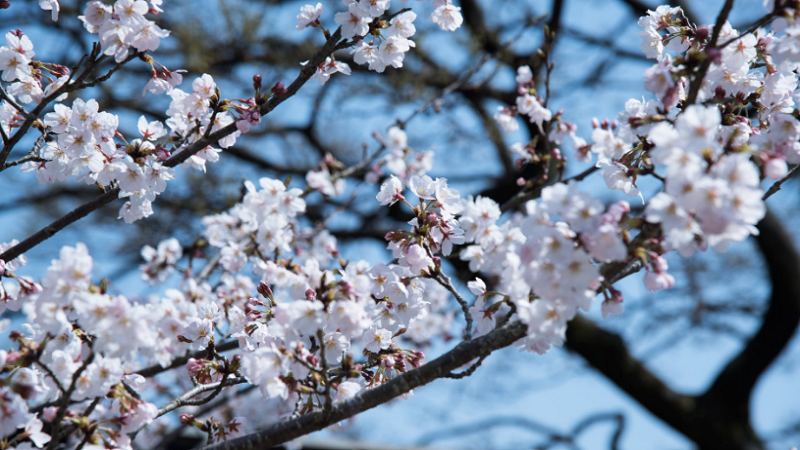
(86, 146)
(389, 42)
(124, 26)
(709, 158)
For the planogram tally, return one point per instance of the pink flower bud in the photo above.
(195, 366)
(50, 413)
(311, 295)
(187, 419)
(278, 89)
(715, 54)
(702, 33)
(264, 289)
(775, 168)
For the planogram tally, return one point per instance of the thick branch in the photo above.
(730, 393)
(608, 353)
(438, 368)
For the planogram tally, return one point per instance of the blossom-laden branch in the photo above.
(188, 398)
(402, 384)
(178, 158)
(710, 49)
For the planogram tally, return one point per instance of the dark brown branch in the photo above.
(730, 393)
(438, 368)
(608, 353)
(59, 224)
(697, 81)
(181, 361)
(777, 185)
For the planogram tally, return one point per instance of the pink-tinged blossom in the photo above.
(14, 65)
(328, 68)
(657, 277)
(321, 181)
(95, 15)
(530, 106)
(393, 49)
(612, 307)
(26, 90)
(391, 191)
(396, 140)
(373, 8)
(308, 16)
(787, 49)
(33, 429)
(148, 37)
(366, 53)
(347, 390)
(775, 168)
(130, 12)
(651, 45)
(14, 413)
(353, 22)
(415, 258)
(477, 287)
(402, 25)
(204, 86)
(524, 75)
(447, 16)
(617, 178)
(506, 120)
(483, 317)
(302, 316)
(422, 186)
(377, 339)
(335, 345)
(141, 415)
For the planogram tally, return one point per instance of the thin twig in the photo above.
(525, 195)
(445, 281)
(10, 100)
(694, 87)
(51, 375)
(777, 185)
(469, 371)
(56, 431)
(326, 409)
(154, 370)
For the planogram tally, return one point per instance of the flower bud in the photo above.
(58, 70)
(188, 419)
(278, 89)
(715, 54)
(264, 289)
(702, 33)
(256, 81)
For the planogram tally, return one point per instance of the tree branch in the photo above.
(729, 395)
(438, 368)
